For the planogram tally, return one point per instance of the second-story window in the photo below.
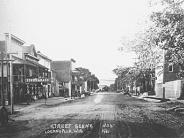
(30, 72)
(170, 67)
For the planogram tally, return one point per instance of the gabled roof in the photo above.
(30, 50)
(43, 56)
(15, 38)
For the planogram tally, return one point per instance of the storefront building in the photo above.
(63, 71)
(24, 73)
(46, 62)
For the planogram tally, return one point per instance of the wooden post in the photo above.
(2, 88)
(11, 87)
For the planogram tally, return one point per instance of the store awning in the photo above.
(27, 62)
(34, 64)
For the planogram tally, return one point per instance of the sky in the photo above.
(89, 31)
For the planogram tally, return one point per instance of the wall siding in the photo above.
(173, 89)
(158, 90)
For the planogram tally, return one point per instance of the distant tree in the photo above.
(132, 76)
(93, 82)
(125, 76)
(85, 75)
(112, 87)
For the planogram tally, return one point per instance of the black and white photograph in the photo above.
(91, 68)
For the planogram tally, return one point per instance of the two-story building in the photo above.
(12, 49)
(65, 76)
(24, 74)
(37, 76)
(167, 78)
(46, 62)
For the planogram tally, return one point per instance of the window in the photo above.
(181, 68)
(170, 67)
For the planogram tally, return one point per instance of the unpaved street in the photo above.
(108, 115)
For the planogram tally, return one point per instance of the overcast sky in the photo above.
(90, 31)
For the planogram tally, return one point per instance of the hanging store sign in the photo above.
(38, 80)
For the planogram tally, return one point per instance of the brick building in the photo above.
(65, 76)
(167, 73)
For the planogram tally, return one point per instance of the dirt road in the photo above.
(103, 115)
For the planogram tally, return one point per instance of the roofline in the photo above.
(72, 60)
(27, 54)
(61, 60)
(44, 56)
(16, 38)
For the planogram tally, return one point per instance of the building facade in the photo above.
(23, 73)
(65, 76)
(46, 62)
(166, 77)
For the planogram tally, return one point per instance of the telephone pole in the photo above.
(163, 85)
(2, 73)
(11, 82)
(3, 54)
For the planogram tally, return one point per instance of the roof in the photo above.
(29, 62)
(30, 50)
(34, 64)
(43, 56)
(2, 46)
(15, 38)
(63, 69)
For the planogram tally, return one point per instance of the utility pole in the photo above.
(163, 85)
(2, 88)
(11, 83)
(70, 80)
(117, 85)
(2, 76)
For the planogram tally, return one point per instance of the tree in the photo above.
(93, 82)
(166, 32)
(170, 26)
(112, 87)
(145, 47)
(85, 75)
(125, 76)
(170, 32)
(82, 75)
(132, 76)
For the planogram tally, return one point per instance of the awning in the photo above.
(28, 62)
(34, 64)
